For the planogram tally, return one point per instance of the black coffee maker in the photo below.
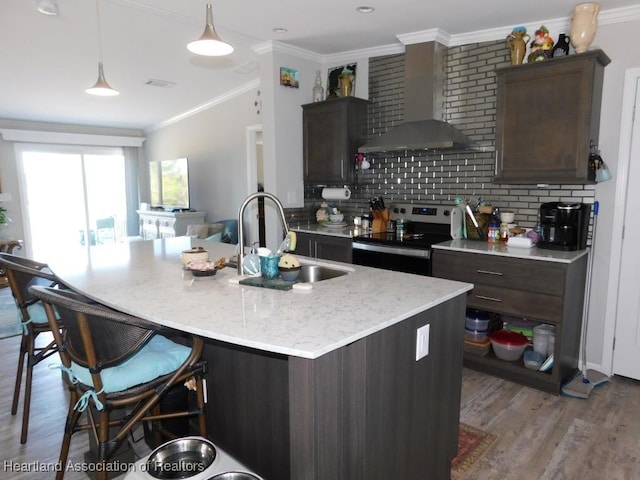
(564, 226)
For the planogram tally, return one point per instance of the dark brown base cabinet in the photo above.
(332, 132)
(544, 291)
(327, 247)
(548, 114)
(366, 411)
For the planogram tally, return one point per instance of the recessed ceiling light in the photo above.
(280, 30)
(365, 9)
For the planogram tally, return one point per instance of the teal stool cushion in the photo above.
(37, 313)
(158, 357)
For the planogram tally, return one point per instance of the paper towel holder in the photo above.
(336, 193)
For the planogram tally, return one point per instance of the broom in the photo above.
(581, 385)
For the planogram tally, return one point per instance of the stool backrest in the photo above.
(22, 273)
(96, 336)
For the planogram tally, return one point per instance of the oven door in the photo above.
(399, 259)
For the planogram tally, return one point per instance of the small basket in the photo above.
(483, 220)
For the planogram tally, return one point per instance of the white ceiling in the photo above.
(47, 61)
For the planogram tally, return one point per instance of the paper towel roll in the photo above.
(336, 193)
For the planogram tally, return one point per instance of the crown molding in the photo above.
(244, 88)
(617, 15)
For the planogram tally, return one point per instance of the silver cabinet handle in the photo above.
(489, 272)
(491, 299)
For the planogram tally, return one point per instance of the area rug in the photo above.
(473, 443)
(9, 324)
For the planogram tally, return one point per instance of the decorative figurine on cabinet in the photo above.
(541, 46)
(517, 43)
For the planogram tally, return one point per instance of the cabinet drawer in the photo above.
(491, 270)
(534, 306)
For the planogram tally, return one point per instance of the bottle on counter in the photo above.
(504, 232)
(493, 232)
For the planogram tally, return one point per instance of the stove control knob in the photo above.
(446, 213)
(395, 209)
(403, 210)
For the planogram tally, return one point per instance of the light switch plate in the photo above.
(422, 342)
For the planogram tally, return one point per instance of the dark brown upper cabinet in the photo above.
(548, 116)
(332, 132)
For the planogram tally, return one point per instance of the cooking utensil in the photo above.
(475, 222)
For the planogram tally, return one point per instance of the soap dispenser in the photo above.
(251, 262)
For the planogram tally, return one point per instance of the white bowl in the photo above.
(336, 217)
(507, 216)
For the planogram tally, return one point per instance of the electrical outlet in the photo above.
(422, 342)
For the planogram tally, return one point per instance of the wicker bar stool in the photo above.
(22, 273)
(114, 361)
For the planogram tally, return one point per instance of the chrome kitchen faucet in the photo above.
(246, 202)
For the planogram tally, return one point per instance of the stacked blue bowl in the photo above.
(476, 325)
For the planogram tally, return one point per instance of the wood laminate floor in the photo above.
(540, 436)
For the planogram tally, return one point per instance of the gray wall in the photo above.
(214, 140)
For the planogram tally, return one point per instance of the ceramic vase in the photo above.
(517, 43)
(346, 83)
(584, 23)
(561, 48)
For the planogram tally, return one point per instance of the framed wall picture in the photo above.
(289, 77)
(334, 84)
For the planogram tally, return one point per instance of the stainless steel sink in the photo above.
(317, 273)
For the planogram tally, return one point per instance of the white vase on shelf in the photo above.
(584, 23)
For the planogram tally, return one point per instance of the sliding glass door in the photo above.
(71, 196)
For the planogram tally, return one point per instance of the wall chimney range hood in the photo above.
(423, 127)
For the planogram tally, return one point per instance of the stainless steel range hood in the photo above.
(423, 127)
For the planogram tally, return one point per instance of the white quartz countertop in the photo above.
(146, 279)
(500, 249)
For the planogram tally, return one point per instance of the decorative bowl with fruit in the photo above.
(289, 267)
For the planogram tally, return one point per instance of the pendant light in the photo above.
(210, 44)
(101, 87)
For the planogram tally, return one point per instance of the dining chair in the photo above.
(22, 273)
(115, 361)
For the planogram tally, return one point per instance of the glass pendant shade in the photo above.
(101, 87)
(210, 44)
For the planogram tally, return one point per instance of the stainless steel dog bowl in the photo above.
(181, 458)
(234, 476)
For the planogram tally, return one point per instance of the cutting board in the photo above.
(275, 284)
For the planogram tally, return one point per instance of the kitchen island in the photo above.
(318, 384)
